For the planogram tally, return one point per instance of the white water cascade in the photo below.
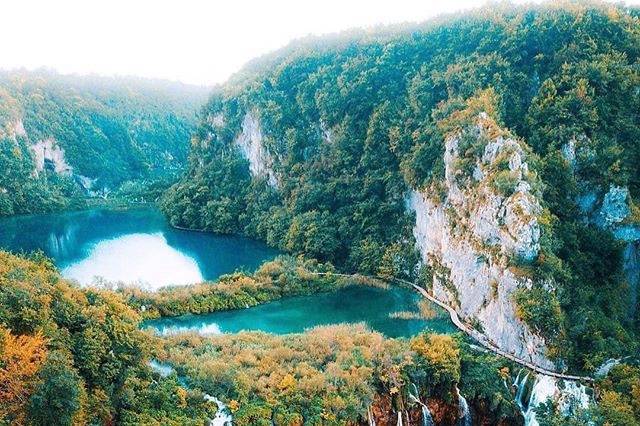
(520, 385)
(427, 419)
(222, 417)
(464, 414)
(566, 394)
(372, 421)
(543, 388)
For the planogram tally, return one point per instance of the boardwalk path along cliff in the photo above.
(471, 332)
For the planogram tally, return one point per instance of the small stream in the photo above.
(222, 417)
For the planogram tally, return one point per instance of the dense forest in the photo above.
(65, 137)
(80, 357)
(318, 149)
(347, 126)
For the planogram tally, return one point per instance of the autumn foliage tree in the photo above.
(21, 358)
(73, 356)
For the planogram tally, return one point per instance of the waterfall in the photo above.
(521, 385)
(399, 419)
(568, 396)
(606, 366)
(464, 414)
(222, 417)
(372, 421)
(164, 370)
(544, 388)
(427, 419)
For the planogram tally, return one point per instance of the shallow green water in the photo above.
(293, 315)
(135, 245)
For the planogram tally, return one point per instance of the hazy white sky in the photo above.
(194, 41)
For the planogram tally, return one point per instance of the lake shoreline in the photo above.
(292, 314)
(115, 239)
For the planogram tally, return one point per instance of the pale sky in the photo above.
(193, 41)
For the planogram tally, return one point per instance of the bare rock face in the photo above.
(469, 234)
(18, 128)
(613, 213)
(47, 153)
(615, 207)
(250, 142)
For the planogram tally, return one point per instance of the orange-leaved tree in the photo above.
(20, 360)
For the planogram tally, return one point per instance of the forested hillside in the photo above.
(78, 356)
(65, 137)
(69, 356)
(319, 148)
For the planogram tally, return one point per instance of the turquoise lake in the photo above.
(131, 246)
(137, 246)
(368, 305)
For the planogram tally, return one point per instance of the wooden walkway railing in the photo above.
(471, 332)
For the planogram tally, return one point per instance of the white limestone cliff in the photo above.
(469, 234)
(250, 142)
(18, 128)
(48, 151)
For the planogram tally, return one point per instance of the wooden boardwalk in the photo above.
(471, 332)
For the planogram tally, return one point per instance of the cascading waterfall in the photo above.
(520, 385)
(372, 421)
(222, 417)
(544, 388)
(427, 419)
(569, 395)
(464, 414)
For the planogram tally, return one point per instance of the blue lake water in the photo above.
(131, 246)
(371, 306)
(137, 246)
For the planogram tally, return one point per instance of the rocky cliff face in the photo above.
(250, 142)
(469, 231)
(613, 213)
(609, 209)
(47, 153)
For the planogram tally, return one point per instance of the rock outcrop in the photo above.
(18, 128)
(469, 230)
(47, 153)
(250, 142)
(614, 208)
(612, 211)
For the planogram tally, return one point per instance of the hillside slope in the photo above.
(79, 357)
(492, 156)
(62, 137)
